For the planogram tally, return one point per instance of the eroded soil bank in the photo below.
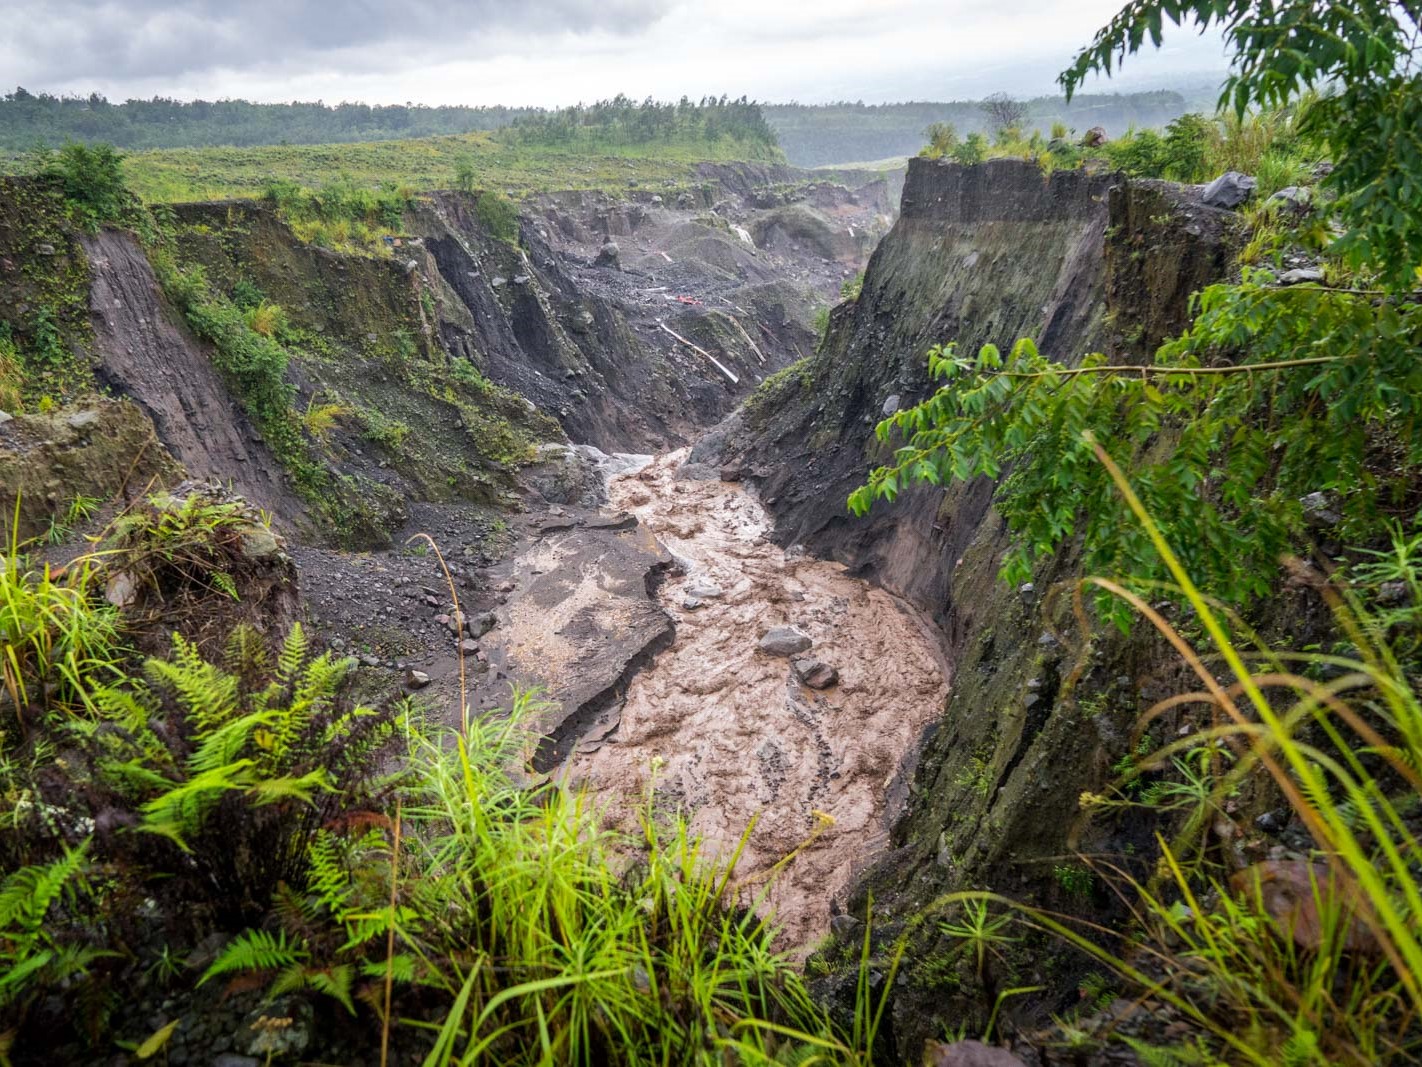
(730, 733)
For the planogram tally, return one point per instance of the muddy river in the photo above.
(730, 733)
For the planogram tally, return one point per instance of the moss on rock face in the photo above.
(90, 452)
(44, 293)
(399, 415)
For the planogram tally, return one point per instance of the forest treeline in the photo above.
(810, 134)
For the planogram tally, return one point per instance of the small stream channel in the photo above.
(730, 733)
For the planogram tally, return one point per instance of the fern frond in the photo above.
(246, 651)
(208, 694)
(256, 950)
(402, 968)
(336, 983)
(224, 744)
(26, 895)
(271, 790)
(178, 813)
(328, 878)
(292, 655)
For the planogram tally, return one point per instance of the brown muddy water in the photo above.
(727, 731)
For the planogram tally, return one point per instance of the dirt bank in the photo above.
(735, 734)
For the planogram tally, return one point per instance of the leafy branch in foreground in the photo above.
(1326, 400)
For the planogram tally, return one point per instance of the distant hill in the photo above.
(814, 135)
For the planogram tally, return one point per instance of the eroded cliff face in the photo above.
(452, 356)
(1081, 262)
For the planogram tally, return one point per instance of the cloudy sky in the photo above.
(560, 51)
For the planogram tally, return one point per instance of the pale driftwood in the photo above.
(697, 348)
(754, 347)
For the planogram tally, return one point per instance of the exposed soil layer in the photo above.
(148, 356)
(735, 735)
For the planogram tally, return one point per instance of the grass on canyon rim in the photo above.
(481, 159)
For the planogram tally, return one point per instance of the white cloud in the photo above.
(559, 51)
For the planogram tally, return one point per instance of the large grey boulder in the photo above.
(1229, 190)
(609, 255)
(784, 641)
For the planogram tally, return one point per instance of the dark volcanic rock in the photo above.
(1229, 190)
(814, 673)
(784, 641)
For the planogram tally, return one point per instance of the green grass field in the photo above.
(179, 174)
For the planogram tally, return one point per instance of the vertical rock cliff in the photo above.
(1081, 262)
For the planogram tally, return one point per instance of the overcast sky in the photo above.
(552, 52)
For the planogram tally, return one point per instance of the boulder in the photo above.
(1095, 137)
(609, 255)
(1300, 275)
(891, 405)
(1292, 196)
(814, 673)
(481, 623)
(784, 641)
(703, 589)
(1229, 190)
(416, 679)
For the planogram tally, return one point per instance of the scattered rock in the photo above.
(728, 474)
(259, 542)
(520, 279)
(481, 624)
(498, 281)
(703, 589)
(1392, 594)
(696, 472)
(231, 1059)
(846, 927)
(891, 405)
(121, 590)
(367, 660)
(1292, 195)
(469, 646)
(1290, 892)
(416, 679)
(1095, 137)
(45, 249)
(691, 603)
(967, 1054)
(814, 673)
(609, 255)
(1318, 509)
(82, 420)
(1229, 190)
(784, 641)
(1271, 822)
(5, 417)
(1300, 275)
